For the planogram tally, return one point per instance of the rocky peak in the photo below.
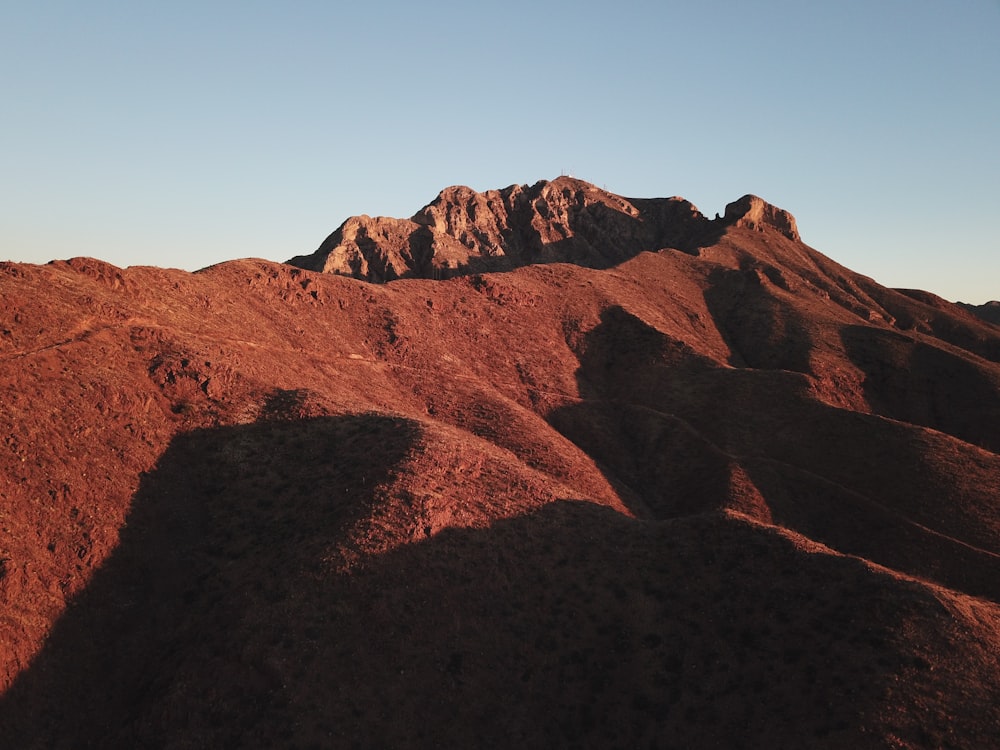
(563, 220)
(756, 213)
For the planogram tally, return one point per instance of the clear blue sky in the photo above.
(182, 134)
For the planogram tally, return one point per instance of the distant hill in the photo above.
(587, 471)
(989, 312)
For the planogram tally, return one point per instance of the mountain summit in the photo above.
(566, 220)
(665, 481)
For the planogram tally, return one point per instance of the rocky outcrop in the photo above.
(756, 213)
(564, 220)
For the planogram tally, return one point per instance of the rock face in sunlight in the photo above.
(599, 472)
(463, 231)
(756, 213)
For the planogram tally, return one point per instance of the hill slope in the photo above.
(701, 486)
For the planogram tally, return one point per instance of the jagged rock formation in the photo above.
(756, 213)
(566, 220)
(715, 491)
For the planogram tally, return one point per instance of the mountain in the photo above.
(565, 220)
(589, 472)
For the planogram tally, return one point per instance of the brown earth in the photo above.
(989, 312)
(702, 487)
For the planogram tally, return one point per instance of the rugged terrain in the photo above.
(602, 473)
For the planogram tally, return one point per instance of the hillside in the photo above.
(587, 472)
(989, 312)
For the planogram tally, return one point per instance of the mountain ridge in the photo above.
(989, 311)
(723, 493)
(564, 220)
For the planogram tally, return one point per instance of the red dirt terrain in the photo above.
(989, 312)
(590, 472)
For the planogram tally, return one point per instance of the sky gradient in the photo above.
(185, 134)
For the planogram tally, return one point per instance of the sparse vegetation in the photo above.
(720, 496)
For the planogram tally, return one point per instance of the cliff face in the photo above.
(566, 220)
(756, 213)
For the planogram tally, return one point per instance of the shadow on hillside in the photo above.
(760, 330)
(570, 627)
(926, 385)
(232, 523)
(223, 619)
(627, 368)
(683, 436)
